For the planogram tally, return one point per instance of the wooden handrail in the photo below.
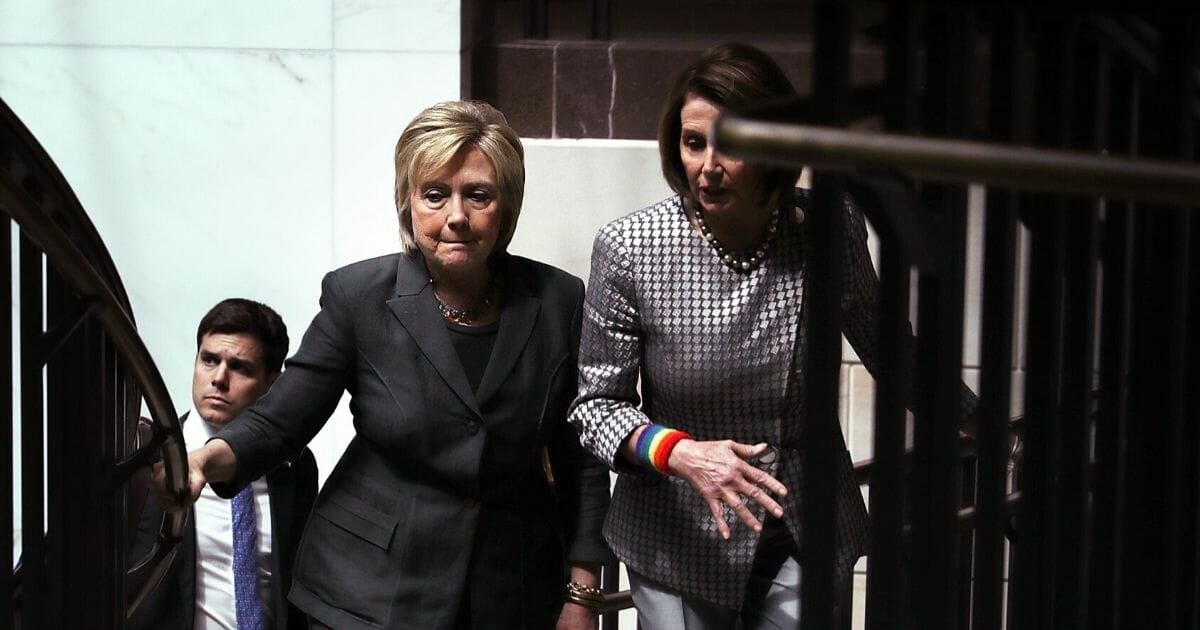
(961, 161)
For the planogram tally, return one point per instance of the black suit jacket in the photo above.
(292, 488)
(441, 488)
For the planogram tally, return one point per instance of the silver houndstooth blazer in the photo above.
(720, 355)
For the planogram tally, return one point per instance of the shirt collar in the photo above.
(200, 429)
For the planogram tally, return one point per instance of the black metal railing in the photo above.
(1089, 253)
(89, 366)
(1082, 128)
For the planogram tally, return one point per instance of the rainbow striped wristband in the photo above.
(655, 444)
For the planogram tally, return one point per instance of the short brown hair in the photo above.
(239, 316)
(730, 76)
(436, 135)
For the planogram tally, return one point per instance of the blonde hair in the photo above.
(436, 135)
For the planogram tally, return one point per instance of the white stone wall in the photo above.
(228, 147)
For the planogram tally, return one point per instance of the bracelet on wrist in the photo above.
(655, 444)
(588, 596)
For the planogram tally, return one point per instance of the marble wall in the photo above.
(228, 148)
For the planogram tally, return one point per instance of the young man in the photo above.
(233, 566)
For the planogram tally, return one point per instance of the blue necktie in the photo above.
(245, 562)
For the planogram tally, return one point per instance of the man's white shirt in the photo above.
(215, 604)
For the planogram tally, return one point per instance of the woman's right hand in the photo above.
(214, 456)
(720, 473)
(167, 499)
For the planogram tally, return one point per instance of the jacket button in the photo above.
(468, 502)
(472, 427)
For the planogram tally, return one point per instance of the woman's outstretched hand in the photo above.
(166, 498)
(720, 473)
(214, 461)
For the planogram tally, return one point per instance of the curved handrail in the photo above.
(72, 264)
(93, 276)
(40, 176)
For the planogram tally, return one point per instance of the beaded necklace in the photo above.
(743, 261)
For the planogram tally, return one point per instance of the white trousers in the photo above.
(661, 608)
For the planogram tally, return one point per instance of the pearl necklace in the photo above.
(740, 261)
(466, 316)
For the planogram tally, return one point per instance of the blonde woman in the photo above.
(460, 360)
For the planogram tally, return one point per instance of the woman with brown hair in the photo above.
(701, 297)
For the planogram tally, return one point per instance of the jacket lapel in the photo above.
(517, 321)
(414, 306)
